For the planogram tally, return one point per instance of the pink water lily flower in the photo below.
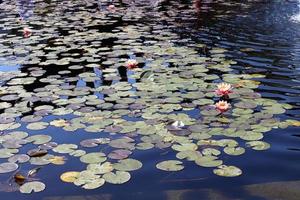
(222, 106)
(224, 89)
(27, 32)
(131, 64)
(111, 8)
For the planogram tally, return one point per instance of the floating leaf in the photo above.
(119, 177)
(258, 145)
(39, 139)
(100, 168)
(91, 158)
(65, 148)
(185, 147)
(234, 151)
(6, 153)
(30, 187)
(8, 167)
(58, 160)
(170, 165)
(189, 155)
(227, 171)
(208, 161)
(19, 158)
(69, 177)
(144, 146)
(94, 184)
(119, 154)
(37, 125)
(128, 165)
(77, 153)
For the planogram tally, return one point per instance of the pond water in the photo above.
(68, 80)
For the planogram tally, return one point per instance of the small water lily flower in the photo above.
(222, 106)
(178, 124)
(27, 32)
(224, 89)
(111, 8)
(131, 64)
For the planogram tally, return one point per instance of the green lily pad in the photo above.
(258, 145)
(44, 160)
(119, 177)
(208, 161)
(128, 165)
(34, 186)
(119, 154)
(234, 151)
(65, 148)
(227, 171)
(19, 158)
(39, 139)
(170, 165)
(96, 183)
(88, 180)
(100, 168)
(8, 167)
(77, 153)
(185, 147)
(188, 155)
(37, 125)
(6, 153)
(144, 146)
(92, 158)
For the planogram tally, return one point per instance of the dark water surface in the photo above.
(263, 39)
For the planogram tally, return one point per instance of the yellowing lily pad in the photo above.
(69, 177)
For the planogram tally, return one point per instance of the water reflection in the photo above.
(25, 8)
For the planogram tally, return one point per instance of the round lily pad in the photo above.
(170, 165)
(19, 158)
(65, 148)
(119, 177)
(227, 171)
(34, 186)
(69, 177)
(258, 145)
(119, 154)
(128, 165)
(39, 139)
(235, 151)
(6, 153)
(208, 161)
(100, 168)
(96, 183)
(8, 167)
(37, 125)
(96, 157)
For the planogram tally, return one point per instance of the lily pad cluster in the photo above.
(74, 80)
